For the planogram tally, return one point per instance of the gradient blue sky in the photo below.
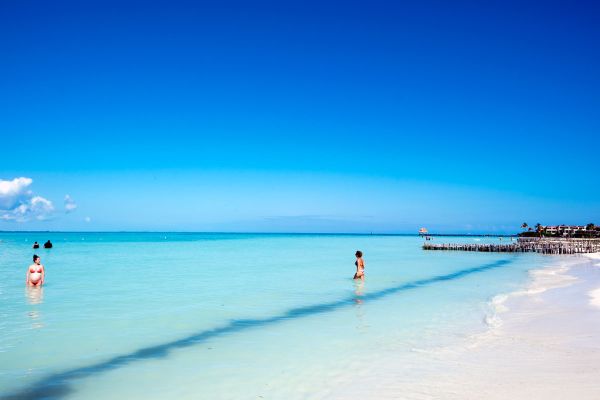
(302, 116)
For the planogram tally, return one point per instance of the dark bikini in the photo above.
(362, 269)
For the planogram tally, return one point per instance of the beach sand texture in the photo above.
(543, 343)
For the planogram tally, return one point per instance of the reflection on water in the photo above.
(359, 287)
(35, 296)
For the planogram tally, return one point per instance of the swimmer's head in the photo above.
(36, 258)
(358, 253)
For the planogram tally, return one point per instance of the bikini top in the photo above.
(32, 270)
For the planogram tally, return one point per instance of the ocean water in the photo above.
(232, 316)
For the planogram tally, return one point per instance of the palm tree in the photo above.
(538, 228)
(524, 226)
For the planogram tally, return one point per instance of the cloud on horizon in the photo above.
(18, 203)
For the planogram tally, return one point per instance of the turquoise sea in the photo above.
(231, 316)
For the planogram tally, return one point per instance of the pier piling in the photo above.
(525, 245)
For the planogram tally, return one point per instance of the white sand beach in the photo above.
(543, 343)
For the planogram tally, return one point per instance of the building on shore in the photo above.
(589, 230)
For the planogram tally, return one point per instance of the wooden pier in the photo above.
(525, 245)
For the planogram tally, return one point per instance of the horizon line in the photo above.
(267, 233)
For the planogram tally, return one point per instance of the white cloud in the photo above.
(70, 204)
(40, 207)
(87, 219)
(12, 192)
(17, 202)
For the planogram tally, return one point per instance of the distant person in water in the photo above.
(360, 266)
(36, 245)
(35, 273)
(48, 245)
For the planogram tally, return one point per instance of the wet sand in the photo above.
(543, 343)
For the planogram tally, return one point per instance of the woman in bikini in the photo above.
(35, 273)
(360, 266)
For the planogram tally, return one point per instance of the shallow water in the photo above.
(230, 316)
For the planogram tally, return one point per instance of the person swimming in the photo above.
(35, 273)
(360, 266)
(36, 245)
(48, 245)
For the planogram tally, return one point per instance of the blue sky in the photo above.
(299, 116)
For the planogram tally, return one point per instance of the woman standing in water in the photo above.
(360, 266)
(35, 273)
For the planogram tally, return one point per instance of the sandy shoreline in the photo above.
(543, 343)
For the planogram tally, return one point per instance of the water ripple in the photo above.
(59, 385)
